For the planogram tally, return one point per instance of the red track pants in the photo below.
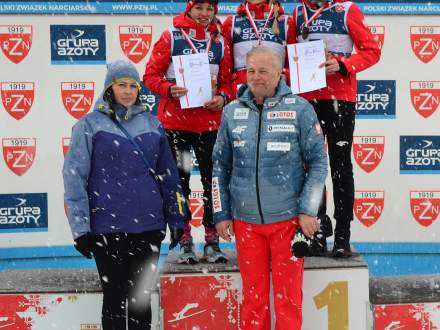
(260, 248)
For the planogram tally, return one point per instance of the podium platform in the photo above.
(207, 296)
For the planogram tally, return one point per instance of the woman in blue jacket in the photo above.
(121, 189)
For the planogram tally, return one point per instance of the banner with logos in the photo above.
(53, 67)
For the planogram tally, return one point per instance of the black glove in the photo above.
(84, 245)
(176, 235)
(300, 244)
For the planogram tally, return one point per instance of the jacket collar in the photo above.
(122, 112)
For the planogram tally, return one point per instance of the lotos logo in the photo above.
(77, 97)
(135, 41)
(65, 145)
(16, 41)
(17, 97)
(425, 206)
(23, 212)
(78, 44)
(420, 154)
(19, 154)
(376, 99)
(368, 151)
(425, 96)
(379, 34)
(196, 206)
(368, 206)
(425, 42)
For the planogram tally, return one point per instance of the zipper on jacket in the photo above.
(260, 112)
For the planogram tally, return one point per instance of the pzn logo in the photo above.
(425, 206)
(196, 206)
(19, 154)
(77, 97)
(16, 41)
(135, 41)
(17, 97)
(425, 96)
(379, 34)
(368, 151)
(425, 42)
(368, 206)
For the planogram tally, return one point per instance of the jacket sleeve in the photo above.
(154, 76)
(76, 172)
(221, 173)
(173, 199)
(315, 159)
(225, 72)
(367, 47)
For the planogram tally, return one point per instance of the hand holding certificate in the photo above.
(192, 72)
(306, 70)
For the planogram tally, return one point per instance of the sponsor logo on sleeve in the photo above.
(135, 41)
(241, 113)
(281, 115)
(420, 154)
(425, 96)
(196, 206)
(78, 44)
(425, 42)
(17, 97)
(368, 151)
(65, 144)
(425, 206)
(368, 206)
(379, 34)
(19, 154)
(23, 212)
(216, 200)
(77, 97)
(376, 99)
(16, 41)
(278, 146)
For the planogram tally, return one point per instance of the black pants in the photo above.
(337, 120)
(181, 143)
(127, 267)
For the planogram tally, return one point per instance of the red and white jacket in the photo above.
(159, 73)
(342, 27)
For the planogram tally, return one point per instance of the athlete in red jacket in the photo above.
(340, 24)
(256, 22)
(195, 30)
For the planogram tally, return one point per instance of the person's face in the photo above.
(202, 13)
(256, 1)
(262, 75)
(125, 91)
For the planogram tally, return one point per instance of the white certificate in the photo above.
(304, 61)
(192, 72)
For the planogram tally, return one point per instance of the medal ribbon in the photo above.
(191, 44)
(307, 21)
(254, 26)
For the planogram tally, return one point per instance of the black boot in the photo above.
(341, 248)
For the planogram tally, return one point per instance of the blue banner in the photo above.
(398, 7)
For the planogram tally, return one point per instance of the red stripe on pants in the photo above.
(260, 247)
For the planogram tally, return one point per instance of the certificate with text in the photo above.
(304, 61)
(192, 72)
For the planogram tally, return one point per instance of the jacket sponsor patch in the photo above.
(278, 146)
(281, 128)
(239, 129)
(238, 143)
(241, 113)
(289, 100)
(216, 201)
(281, 115)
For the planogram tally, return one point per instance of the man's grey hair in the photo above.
(263, 50)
